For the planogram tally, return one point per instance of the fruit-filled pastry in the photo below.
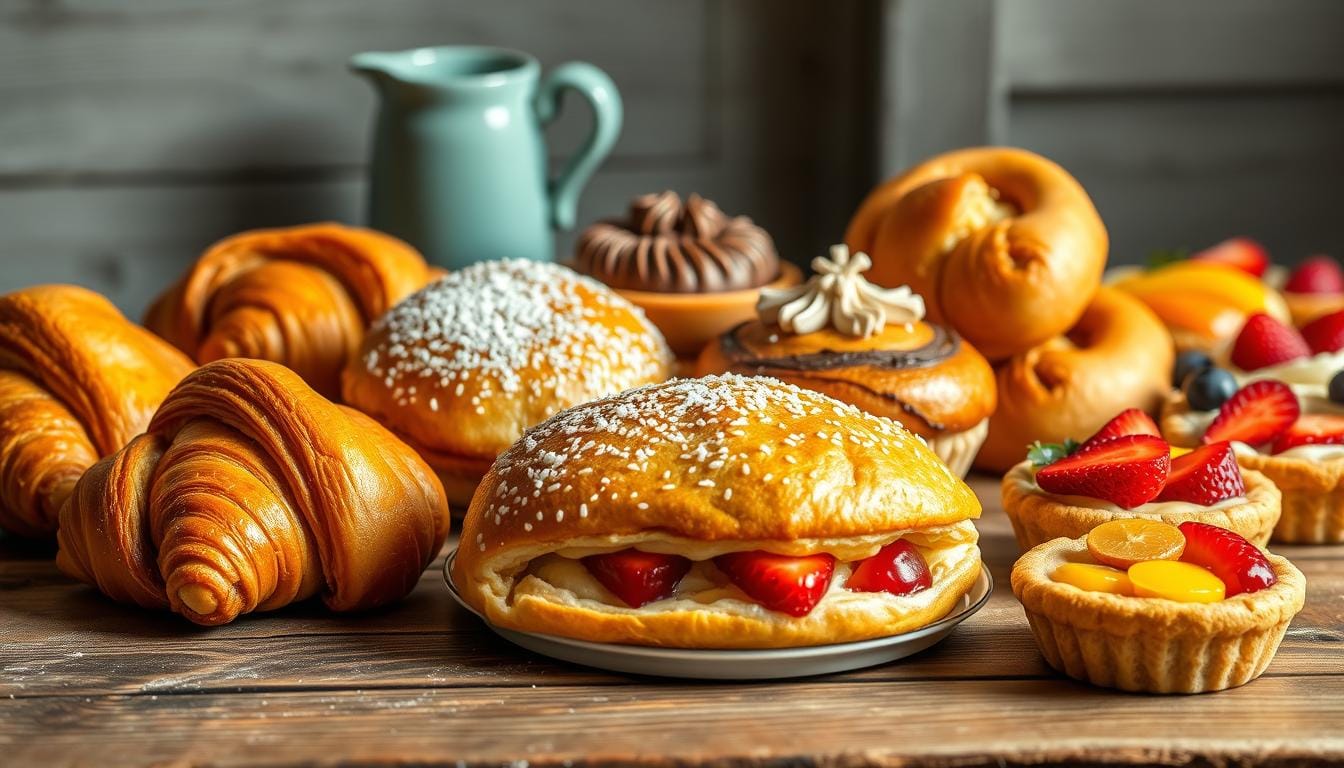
(459, 369)
(1127, 471)
(1143, 605)
(723, 512)
(1205, 299)
(1312, 289)
(868, 346)
(1277, 397)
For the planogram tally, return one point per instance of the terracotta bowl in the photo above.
(689, 321)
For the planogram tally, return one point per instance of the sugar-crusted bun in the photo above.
(700, 468)
(462, 367)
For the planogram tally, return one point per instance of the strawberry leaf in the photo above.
(1164, 256)
(1044, 454)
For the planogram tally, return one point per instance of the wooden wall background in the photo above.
(135, 132)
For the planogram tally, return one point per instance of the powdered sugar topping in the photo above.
(693, 425)
(509, 325)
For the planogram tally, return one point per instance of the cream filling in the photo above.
(1024, 476)
(1309, 378)
(561, 577)
(958, 449)
(980, 207)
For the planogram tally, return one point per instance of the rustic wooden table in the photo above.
(88, 682)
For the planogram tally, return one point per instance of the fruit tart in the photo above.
(1143, 605)
(1204, 299)
(1314, 288)
(845, 337)
(723, 512)
(1278, 397)
(1127, 471)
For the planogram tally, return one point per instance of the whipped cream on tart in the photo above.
(755, 493)
(846, 337)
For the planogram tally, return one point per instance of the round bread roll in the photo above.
(1118, 356)
(1003, 244)
(462, 367)
(701, 468)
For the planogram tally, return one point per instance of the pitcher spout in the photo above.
(447, 67)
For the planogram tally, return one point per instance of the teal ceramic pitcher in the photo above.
(459, 156)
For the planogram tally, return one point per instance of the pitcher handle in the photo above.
(594, 85)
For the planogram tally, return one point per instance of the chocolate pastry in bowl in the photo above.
(693, 270)
(867, 346)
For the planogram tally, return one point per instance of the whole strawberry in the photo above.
(1264, 341)
(1318, 274)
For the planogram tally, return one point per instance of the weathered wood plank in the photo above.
(1273, 721)
(101, 86)
(1053, 45)
(1191, 172)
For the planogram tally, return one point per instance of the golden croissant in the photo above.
(249, 492)
(77, 382)
(299, 296)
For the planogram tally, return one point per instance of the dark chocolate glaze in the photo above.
(942, 346)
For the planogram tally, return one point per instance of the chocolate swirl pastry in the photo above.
(670, 247)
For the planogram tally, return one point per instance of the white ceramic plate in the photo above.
(740, 665)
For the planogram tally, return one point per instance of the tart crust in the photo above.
(1038, 517)
(1313, 491)
(1150, 644)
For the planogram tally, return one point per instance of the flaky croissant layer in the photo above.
(77, 381)
(300, 296)
(250, 492)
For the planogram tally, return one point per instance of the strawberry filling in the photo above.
(789, 584)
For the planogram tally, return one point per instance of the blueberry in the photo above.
(1187, 363)
(1337, 388)
(1209, 388)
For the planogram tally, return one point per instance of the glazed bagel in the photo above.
(1003, 244)
(1118, 356)
(700, 468)
(462, 367)
(299, 296)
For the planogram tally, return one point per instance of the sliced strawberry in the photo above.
(1131, 421)
(1256, 414)
(1318, 274)
(897, 568)
(1325, 333)
(1240, 252)
(1264, 341)
(1240, 565)
(1204, 476)
(784, 583)
(1312, 429)
(638, 577)
(1127, 470)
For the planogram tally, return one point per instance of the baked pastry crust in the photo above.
(924, 376)
(460, 368)
(1118, 356)
(700, 467)
(1150, 644)
(1038, 517)
(300, 296)
(1003, 244)
(1312, 490)
(77, 382)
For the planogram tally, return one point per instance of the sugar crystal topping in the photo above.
(508, 326)
(695, 425)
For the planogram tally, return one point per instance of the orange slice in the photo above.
(1174, 580)
(1122, 543)
(1094, 578)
